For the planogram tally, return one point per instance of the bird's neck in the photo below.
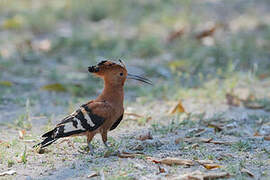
(113, 94)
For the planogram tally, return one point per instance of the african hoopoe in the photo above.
(100, 115)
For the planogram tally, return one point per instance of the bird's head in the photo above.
(114, 73)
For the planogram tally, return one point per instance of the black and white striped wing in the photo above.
(88, 118)
(78, 122)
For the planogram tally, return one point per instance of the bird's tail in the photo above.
(50, 137)
(65, 129)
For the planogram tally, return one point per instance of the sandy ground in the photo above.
(177, 136)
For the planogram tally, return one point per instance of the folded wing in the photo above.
(89, 117)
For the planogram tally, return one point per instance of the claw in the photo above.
(91, 149)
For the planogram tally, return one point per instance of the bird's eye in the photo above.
(121, 74)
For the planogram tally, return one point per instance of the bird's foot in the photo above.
(106, 145)
(91, 149)
(110, 151)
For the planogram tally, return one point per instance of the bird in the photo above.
(100, 115)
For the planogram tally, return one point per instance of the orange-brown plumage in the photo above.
(100, 115)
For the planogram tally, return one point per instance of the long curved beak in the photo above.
(139, 78)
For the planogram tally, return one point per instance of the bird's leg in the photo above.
(109, 149)
(89, 139)
(91, 148)
(106, 145)
(104, 139)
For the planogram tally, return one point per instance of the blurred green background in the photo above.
(179, 44)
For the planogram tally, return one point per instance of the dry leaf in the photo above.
(195, 132)
(223, 156)
(10, 172)
(94, 174)
(267, 138)
(211, 166)
(204, 140)
(232, 100)
(193, 140)
(256, 134)
(243, 170)
(253, 105)
(178, 108)
(217, 127)
(200, 133)
(171, 161)
(128, 155)
(22, 134)
(208, 164)
(176, 34)
(207, 140)
(54, 87)
(222, 142)
(148, 118)
(216, 175)
(145, 136)
(264, 76)
(207, 32)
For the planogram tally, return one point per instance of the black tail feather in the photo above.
(49, 134)
(46, 142)
(56, 133)
(49, 139)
